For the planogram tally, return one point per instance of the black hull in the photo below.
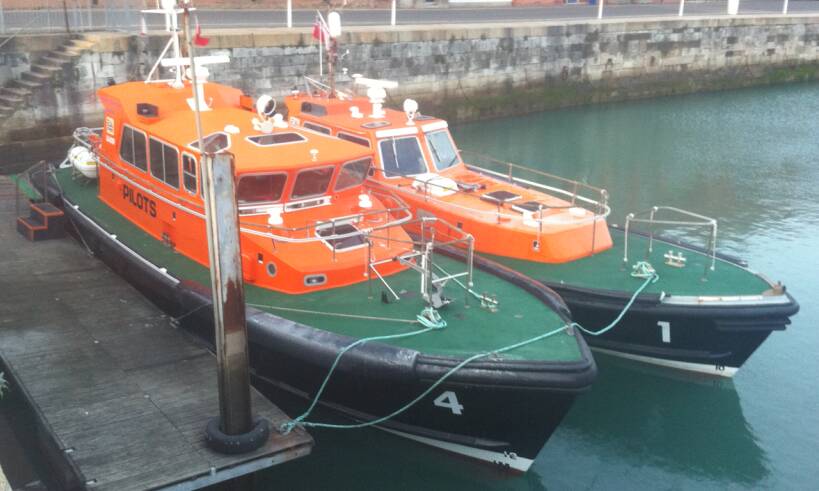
(712, 339)
(510, 409)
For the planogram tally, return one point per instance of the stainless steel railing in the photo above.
(649, 217)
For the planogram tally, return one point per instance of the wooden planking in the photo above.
(126, 392)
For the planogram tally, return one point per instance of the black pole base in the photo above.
(221, 442)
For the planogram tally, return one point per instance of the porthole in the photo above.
(271, 269)
(315, 280)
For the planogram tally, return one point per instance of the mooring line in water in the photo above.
(288, 426)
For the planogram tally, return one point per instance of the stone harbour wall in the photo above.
(462, 72)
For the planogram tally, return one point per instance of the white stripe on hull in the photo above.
(506, 459)
(720, 371)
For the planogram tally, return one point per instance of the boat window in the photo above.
(312, 182)
(317, 127)
(402, 156)
(276, 139)
(358, 140)
(352, 174)
(260, 188)
(314, 109)
(132, 148)
(164, 162)
(443, 151)
(215, 142)
(189, 173)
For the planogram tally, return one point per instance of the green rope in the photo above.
(651, 279)
(285, 428)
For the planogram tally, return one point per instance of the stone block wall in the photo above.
(461, 72)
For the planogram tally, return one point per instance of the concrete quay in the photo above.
(458, 71)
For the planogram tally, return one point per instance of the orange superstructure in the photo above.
(508, 214)
(302, 204)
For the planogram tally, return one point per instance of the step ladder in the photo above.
(45, 221)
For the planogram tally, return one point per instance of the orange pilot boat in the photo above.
(417, 159)
(475, 360)
(707, 312)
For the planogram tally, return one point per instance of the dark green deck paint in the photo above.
(470, 330)
(606, 270)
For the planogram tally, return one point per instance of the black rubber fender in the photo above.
(237, 444)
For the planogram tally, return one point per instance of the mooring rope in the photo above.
(301, 420)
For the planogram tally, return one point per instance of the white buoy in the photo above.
(83, 161)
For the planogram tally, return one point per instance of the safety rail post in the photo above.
(539, 226)
(629, 218)
(785, 7)
(651, 233)
(599, 9)
(682, 8)
(511, 179)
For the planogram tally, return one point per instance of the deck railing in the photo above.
(649, 218)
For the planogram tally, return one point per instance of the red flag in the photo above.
(198, 39)
(320, 31)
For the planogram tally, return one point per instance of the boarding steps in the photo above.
(16, 94)
(45, 221)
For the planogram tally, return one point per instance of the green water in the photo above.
(750, 158)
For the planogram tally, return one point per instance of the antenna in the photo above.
(178, 64)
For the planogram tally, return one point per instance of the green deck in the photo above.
(470, 328)
(605, 270)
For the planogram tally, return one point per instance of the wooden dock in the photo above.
(120, 397)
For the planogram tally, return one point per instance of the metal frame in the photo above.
(652, 221)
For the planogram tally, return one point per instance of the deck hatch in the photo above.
(375, 124)
(214, 142)
(500, 197)
(276, 139)
(341, 243)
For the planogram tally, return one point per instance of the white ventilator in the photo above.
(410, 109)
(84, 161)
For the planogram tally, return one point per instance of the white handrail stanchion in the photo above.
(600, 9)
(289, 13)
(682, 7)
(392, 13)
(785, 7)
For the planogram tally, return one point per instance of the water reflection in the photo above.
(750, 158)
(660, 421)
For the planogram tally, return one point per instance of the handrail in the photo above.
(600, 200)
(652, 221)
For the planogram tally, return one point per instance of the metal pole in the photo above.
(65, 14)
(392, 13)
(222, 225)
(289, 13)
(785, 7)
(2, 19)
(682, 7)
(600, 9)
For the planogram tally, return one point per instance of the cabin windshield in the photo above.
(352, 174)
(443, 151)
(260, 188)
(402, 156)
